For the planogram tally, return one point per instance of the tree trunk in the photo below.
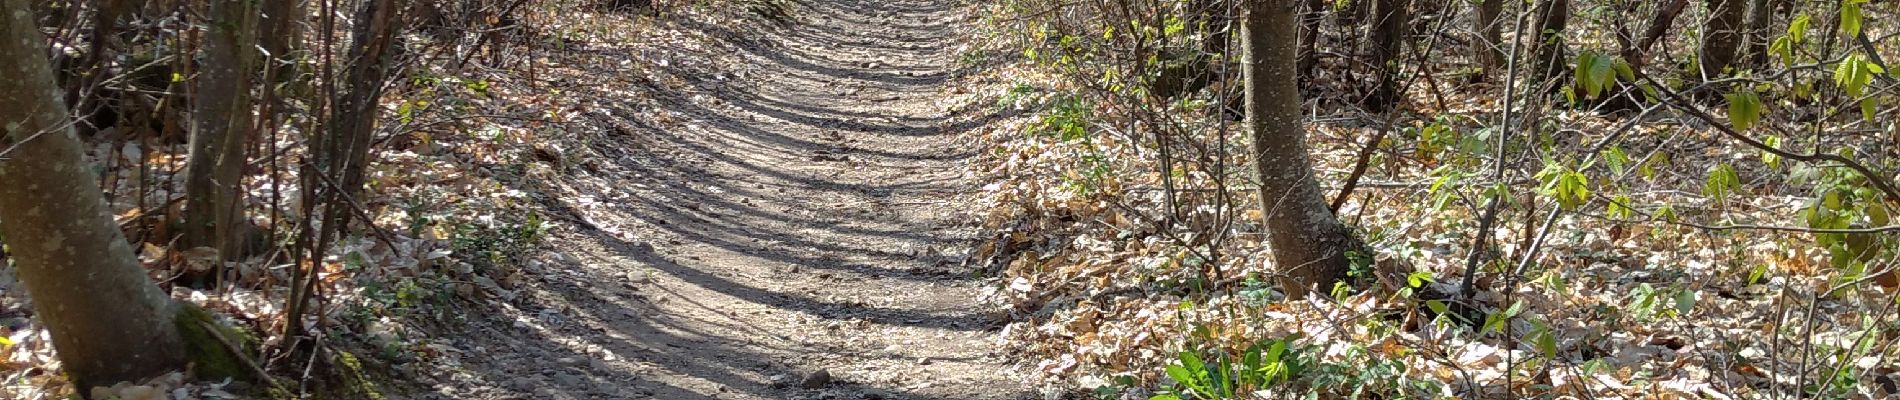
(1309, 244)
(343, 150)
(1347, 16)
(1721, 37)
(354, 120)
(108, 321)
(84, 91)
(1490, 44)
(1552, 54)
(221, 123)
(278, 36)
(1310, 18)
(1638, 56)
(1759, 33)
(1390, 23)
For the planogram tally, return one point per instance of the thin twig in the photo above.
(1676, 101)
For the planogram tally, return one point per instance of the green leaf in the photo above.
(1615, 158)
(1648, 167)
(1754, 276)
(1174, 25)
(1685, 302)
(1555, 281)
(1850, 17)
(1783, 48)
(1496, 320)
(1744, 108)
(1798, 28)
(1570, 188)
(1594, 72)
(1722, 181)
(1181, 375)
(1546, 342)
(1620, 207)
(1193, 362)
(1624, 71)
(1855, 72)
(1772, 159)
(1419, 278)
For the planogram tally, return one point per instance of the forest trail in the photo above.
(796, 209)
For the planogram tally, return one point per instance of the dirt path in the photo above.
(790, 206)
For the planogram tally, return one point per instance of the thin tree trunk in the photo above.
(1389, 25)
(221, 123)
(1638, 56)
(1310, 18)
(354, 120)
(278, 36)
(1490, 44)
(1759, 33)
(1309, 244)
(1347, 16)
(1552, 53)
(1722, 37)
(108, 321)
(343, 150)
(83, 92)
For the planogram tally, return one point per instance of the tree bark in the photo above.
(1638, 55)
(343, 149)
(354, 120)
(1759, 33)
(1490, 44)
(221, 125)
(1721, 37)
(108, 321)
(83, 91)
(1552, 53)
(1390, 23)
(1309, 244)
(278, 36)
(1310, 18)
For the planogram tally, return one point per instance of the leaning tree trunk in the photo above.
(221, 122)
(1309, 244)
(1389, 25)
(108, 322)
(1638, 55)
(1721, 37)
(1490, 44)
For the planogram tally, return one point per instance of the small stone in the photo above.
(567, 380)
(818, 379)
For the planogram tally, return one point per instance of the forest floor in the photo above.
(773, 213)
